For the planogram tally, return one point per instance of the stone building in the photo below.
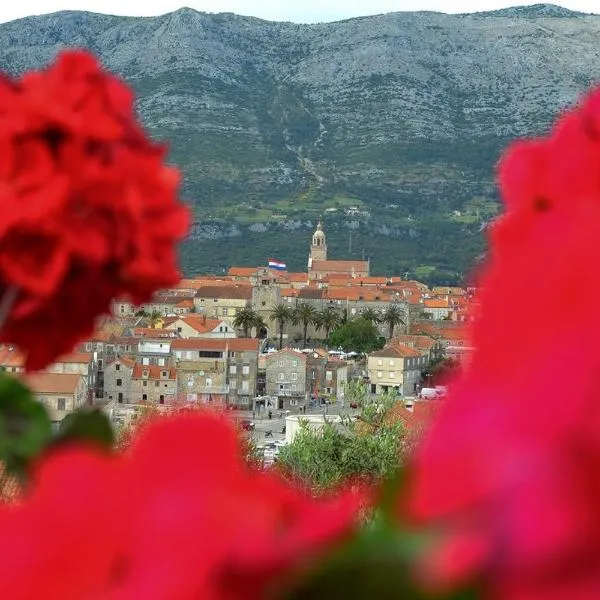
(153, 384)
(286, 377)
(320, 266)
(217, 371)
(223, 301)
(117, 380)
(396, 367)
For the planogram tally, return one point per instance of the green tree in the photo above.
(282, 315)
(306, 314)
(328, 319)
(371, 315)
(245, 319)
(258, 323)
(357, 335)
(392, 317)
(370, 448)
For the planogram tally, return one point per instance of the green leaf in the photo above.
(25, 428)
(86, 426)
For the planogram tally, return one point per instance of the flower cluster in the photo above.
(90, 211)
(167, 519)
(508, 475)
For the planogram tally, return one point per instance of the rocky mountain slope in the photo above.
(401, 116)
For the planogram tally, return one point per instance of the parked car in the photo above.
(247, 425)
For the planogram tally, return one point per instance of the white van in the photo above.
(428, 393)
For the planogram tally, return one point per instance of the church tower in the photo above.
(318, 248)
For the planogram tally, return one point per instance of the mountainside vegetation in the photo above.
(388, 127)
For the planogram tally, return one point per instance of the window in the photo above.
(161, 362)
(225, 312)
(245, 386)
(100, 363)
(120, 397)
(294, 376)
(145, 361)
(246, 370)
(379, 374)
(164, 373)
(117, 367)
(144, 396)
(119, 382)
(221, 329)
(294, 363)
(233, 384)
(145, 383)
(156, 384)
(293, 387)
(161, 399)
(313, 375)
(281, 363)
(280, 377)
(391, 362)
(61, 404)
(215, 299)
(392, 375)
(379, 362)
(328, 390)
(233, 369)
(328, 375)
(179, 330)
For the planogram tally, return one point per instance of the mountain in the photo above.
(387, 126)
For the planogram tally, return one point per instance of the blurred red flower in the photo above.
(90, 210)
(179, 515)
(508, 474)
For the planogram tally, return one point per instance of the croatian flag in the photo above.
(275, 264)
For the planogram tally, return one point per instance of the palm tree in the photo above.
(281, 314)
(393, 316)
(306, 314)
(371, 315)
(245, 319)
(258, 324)
(154, 318)
(329, 318)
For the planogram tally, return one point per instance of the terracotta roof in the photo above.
(186, 303)
(233, 344)
(297, 277)
(75, 357)
(230, 292)
(344, 266)
(52, 383)
(242, 271)
(436, 303)
(399, 350)
(290, 292)
(200, 323)
(275, 355)
(422, 342)
(356, 294)
(154, 372)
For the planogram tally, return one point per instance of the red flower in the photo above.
(88, 204)
(180, 515)
(509, 470)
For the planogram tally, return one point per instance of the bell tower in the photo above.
(318, 248)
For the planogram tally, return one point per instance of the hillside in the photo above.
(277, 124)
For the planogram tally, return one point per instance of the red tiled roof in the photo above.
(124, 360)
(10, 356)
(52, 383)
(344, 266)
(233, 344)
(151, 332)
(229, 292)
(200, 323)
(75, 357)
(154, 372)
(436, 303)
(423, 342)
(242, 271)
(399, 350)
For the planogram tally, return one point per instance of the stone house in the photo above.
(286, 377)
(79, 363)
(60, 393)
(153, 384)
(396, 367)
(223, 301)
(199, 326)
(217, 371)
(336, 378)
(117, 380)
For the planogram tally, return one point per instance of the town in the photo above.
(259, 341)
